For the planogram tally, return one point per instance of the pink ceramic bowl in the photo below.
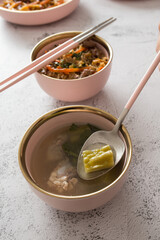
(57, 119)
(72, 89)
(39, 17)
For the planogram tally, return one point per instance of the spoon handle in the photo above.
(143, 81)
(137, 91)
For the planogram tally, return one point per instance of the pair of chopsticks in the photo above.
(52, 55)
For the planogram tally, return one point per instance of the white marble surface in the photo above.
(135, 212)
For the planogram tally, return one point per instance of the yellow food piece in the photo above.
(98, 159)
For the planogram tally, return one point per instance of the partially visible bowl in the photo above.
(72, 89)
(57, 119)
(39, 17)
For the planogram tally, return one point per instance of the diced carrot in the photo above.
(25, 8)
(58, 67)
(44, 2)
(77, 51)
(100, 68)
(81, 50)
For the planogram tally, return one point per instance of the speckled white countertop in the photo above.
(134, 214)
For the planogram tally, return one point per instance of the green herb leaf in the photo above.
(78, 134)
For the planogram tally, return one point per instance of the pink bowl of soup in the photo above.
(48, 156)
(79, 74)
(36, 12)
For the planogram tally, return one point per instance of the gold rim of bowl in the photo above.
(70, 34)
(60, 111)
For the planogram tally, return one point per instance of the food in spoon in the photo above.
(30, 5)
(80, 62)
(98, 159)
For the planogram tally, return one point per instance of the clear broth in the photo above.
(46, 157)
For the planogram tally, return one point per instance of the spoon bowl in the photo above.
(97, 140)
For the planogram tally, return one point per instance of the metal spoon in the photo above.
(112, 138)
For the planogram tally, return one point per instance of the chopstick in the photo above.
(52, 55)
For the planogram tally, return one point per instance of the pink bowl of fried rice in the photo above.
(77, 75)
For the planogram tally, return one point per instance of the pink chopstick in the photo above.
(52, 55)
(36, 66)
(37, 61)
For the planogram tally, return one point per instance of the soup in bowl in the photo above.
(48, 156)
